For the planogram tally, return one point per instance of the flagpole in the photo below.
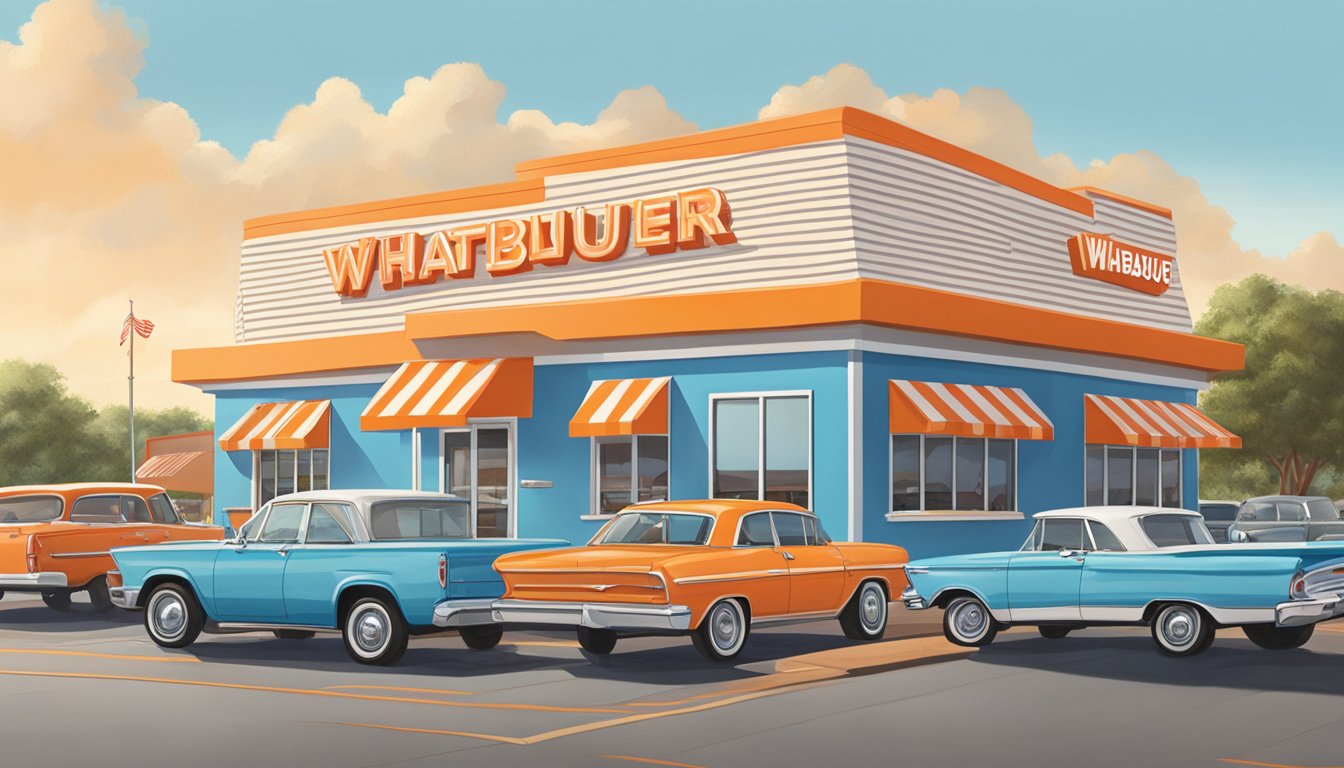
(130, 383)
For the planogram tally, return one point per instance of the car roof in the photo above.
(715, 507)
(79, 487)
(1289, 497)
(1113, 514)
(365, 496)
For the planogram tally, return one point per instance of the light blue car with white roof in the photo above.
(1096, 566)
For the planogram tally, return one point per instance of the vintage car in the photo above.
(374, 566)
(1286, 518)
(55, 539)
(1218, 517)
(1134, 565)
(713, 569)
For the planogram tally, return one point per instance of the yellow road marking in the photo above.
(434, 732)
(649, 760)
(96, 655)
(396, 688)
(1265, 765)
(309, 692)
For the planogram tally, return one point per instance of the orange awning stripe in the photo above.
(622, 407)
(1152, 424)
(290, 425)
(445, 393)
(968, 410)
(166, 466)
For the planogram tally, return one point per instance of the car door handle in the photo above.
(787, 555)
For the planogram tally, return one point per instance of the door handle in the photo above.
(787, 555)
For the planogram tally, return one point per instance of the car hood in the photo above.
(597, 557)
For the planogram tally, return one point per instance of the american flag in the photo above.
(142, 327)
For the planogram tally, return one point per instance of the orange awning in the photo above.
(1152, 424)
(968, 410)
(291, 425)
(445, 393)
(622, 407)
(188, 471)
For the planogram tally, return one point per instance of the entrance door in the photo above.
(478, 465)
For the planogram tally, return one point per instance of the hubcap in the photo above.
(872, 608)
(1179, 627)
(725, 627)
(969, 621)
(370, 631)
(170, 616)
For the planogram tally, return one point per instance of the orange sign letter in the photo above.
(703, 212)
(351, 266)
(615, 233)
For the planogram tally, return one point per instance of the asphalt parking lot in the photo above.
(91, 689)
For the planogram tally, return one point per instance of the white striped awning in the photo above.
(967, 410)
(1110, 420)
(289, 425)
(622, 407)
(445, 393)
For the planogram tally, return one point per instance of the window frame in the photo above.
(257, 501)
(350, 514)
(923, 506)
(472, 429)
(299, 534)
(737, 532)
(595, 472)
(760, 398)
(1134, 474)
(116, 496)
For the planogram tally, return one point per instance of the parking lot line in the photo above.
(96, 655)
(311, 692)
(396, 688)
(1267, 765)
(650, 761)
(436, 732)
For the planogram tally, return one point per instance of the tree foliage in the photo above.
(1286, 404)
(48, 435)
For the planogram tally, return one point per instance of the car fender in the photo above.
(382, 580)
(205, 598)
(1001, 615)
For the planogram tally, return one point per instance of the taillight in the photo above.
(114, 579)
(443, 571)
(32, 554)
(1299, 585)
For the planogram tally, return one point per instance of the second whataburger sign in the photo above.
(1111, 261)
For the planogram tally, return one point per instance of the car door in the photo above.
(139, 527)
(166, 521)
(249, 576)
(763, 571)
(314, 566)
(816, 571)
(1044, 582)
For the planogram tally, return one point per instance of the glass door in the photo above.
(478, 465)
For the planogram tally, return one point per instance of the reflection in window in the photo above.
(281, 472)
(617, 487)
(790, 529)
(787, 426)
(1123, 475)
(935, 472)
(938, 472)
(905, 472)
(1096, 475)
(737, 445)
(420, 519)
(782, 425)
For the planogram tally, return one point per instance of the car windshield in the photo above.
(30, 509)
(1175, 530)
(1218, 512)
(658, 528)
(402, 519)
(1322, 509)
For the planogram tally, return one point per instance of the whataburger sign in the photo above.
(1111, 261)
(662, 224)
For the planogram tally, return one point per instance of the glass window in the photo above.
(787, 431)
(970, 473)
(492, 482)
(651, 458)
(285, 472)
(1002, 473)
(756, 531)
(1096, 475)
(938, 473)
(1322, 509)
(401, 519)
(790, 529)
(282, 525)
(329, 524)
(265, 477)
(1292, 511)
(1175, 530)
(1062, 533)
(457, 457)
(904, 472)
(1218, 512)
(135, 510)
(614, 484)
(737, 445)
(251, 529)
(281, 472)
(1119, 476)
(303, 477)
(321, 470)
(1171, 478)
(1033, 542)
(1258, 511)
(30, 509)
(161, 507)
(657, 528)
(97, 509)
(1103, 538)
(1146, 477)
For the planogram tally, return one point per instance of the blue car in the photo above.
(1134, 565)
(374, 566)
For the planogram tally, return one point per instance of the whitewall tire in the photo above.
(967, 621)
(173, 617)
(1180, 629)
(374, 632)
(723, 631)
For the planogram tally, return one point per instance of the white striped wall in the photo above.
(816, 213)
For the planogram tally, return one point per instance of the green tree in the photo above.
(112, 428)
(1286, 404)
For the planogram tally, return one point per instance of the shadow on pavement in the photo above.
(32, 615)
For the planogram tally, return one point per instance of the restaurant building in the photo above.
(924, 346)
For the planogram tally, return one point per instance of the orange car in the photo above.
(54, 539)
(711, 568)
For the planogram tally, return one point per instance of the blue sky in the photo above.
(1248, 98)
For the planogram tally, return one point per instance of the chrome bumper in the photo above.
(32, 581)
(1296, 613)
(463, 613)
(623, 616)
(123, 597)
(912, 600)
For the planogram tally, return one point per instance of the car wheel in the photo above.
(1273, 638)
(58, 601)
(374, 632)
(294, 634)
(596, 641)
(1055, 632)
(483, 637)
(99, 596)
(722, 632)
(967, 621)
(173, 617)
(865, 617)
(1181, 630)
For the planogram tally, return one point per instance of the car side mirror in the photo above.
(229, 533)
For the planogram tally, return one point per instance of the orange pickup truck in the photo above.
(55, 539)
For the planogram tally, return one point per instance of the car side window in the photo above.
(756, 531)
(282, 525)
(1292, 511)
(161, 507)
(1103, 538)
(1062, 533)
(810, 530)
(97, 509)
(1258, 512)
(789, 528)
(329, 524)
(251, 529)
(135, 510)
(1033, 542)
